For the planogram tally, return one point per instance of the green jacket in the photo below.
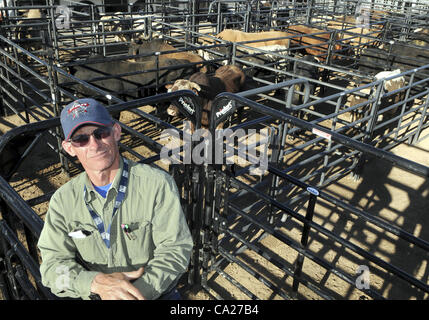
(162, 242)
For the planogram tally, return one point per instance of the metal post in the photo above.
(404, 105)
(21, 86)
(310, 4)
(53, 32)
(195, 20)
(187, 31)
(9, 270)
(304, 238)
(328, 149)
(247, 17)
(374, 113)
(4, 288)
(157, 70)
(94, 29)
(422, 118)
(276, 157)
(219, 18)
(332, 40)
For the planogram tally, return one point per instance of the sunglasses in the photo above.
(81, 140)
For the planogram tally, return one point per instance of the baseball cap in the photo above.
(81, 112)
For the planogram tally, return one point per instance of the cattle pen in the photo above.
(299, 204)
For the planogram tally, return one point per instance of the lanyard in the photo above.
(105, 235)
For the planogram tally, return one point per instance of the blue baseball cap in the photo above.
(81, 112)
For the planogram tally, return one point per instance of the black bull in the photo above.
(125, 78)
(391, 57)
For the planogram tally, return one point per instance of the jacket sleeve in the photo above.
(172, 240)
(59, 269)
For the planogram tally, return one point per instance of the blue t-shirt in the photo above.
(103, 189)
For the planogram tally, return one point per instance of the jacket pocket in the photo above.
(139, 244)
(89, 248)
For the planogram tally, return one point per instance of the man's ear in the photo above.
(68, 148)
(117, 131)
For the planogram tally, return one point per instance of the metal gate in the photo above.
(234, 231)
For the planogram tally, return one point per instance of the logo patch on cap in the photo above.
(77, 108)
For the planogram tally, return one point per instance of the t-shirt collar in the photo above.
(92, 193)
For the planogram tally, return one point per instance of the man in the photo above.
(124, 219)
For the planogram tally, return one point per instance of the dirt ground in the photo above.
(390, 193)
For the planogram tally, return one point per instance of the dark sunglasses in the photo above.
(82, 140)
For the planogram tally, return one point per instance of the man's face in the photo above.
(96, 155)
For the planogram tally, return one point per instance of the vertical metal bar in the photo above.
(275, 142)
(199, 256)
(407, 94)
(332, 40)
(374, 113)
(103, 32)
(247, 17)
(25, 284)
(422, 120)
(187, 31)
(53, 87)
(219, 18)
(9, 272)
(219, 190)
(195, 20)
(4, 287)
(54, 31)
(309, 11)
(197, 216)
(94, 28)
(2, 96)
(328, 149)
(21, 85)
(157, 70)
(304, 238)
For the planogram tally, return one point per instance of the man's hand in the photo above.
(117, 286)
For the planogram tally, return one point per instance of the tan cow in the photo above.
(299, 35)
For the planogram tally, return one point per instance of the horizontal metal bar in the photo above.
(257, 276)
(385, 265)
(346, 141)
(298, 247)
(277, 263)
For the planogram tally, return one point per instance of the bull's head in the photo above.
(180, 84)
